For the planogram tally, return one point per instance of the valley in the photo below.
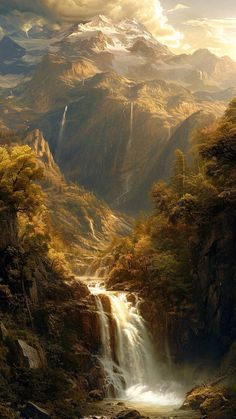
(117, 217)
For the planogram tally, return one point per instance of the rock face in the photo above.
(96, 395)
(205, 329)
(9, 228)
(216, 273)
(33, 411)
(123, 133)
(27, 356)
(41, 148)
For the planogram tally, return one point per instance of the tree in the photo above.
(19, 192)
(178, 179)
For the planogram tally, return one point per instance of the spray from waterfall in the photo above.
(127, 353)
(61, 132)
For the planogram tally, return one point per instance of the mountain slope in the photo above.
(115, 131)
(77, 221)
(104, 99)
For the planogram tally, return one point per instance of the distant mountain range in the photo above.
(112, 101)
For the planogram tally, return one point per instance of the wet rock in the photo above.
(212, 404)
(120, 404)
(127, 414)
(206, 399)
(96, 395)
(79, 358)
(33, 411)
(84, 321)
(96, 378)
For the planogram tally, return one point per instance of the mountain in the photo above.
(114, 127)
(78, 222)
(125, 47)
(202, 69)
(10, 50)
(109, 99)
(12, 61)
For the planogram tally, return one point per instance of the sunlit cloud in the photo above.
(148, 12)
(179, 6)
(180, 25)
(219, 34)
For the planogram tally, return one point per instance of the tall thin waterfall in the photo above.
(91, 224)
(127, 354)
(127, 178)
(61, 132)
(131, 126)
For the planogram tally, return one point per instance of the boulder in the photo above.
(96, 395)
(26, 356)
(207, 399)
(127, 414)
(33, 411)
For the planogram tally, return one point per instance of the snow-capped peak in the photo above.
(99, 20)
(122, 34)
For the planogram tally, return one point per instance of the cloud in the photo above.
(219, 34)
(35, 6)
(179, 6)
(148, 12)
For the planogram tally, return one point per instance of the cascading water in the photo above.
(127, 354)
(61, 132)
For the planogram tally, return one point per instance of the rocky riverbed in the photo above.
(130, 410)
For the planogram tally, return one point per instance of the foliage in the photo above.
(19, 173)
(163, 246)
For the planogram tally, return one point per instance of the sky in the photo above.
(183, 25)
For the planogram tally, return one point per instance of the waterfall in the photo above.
(91, 223)
(127, 178)
(131, 126)
(127, 353)
(168, 132)
(61, 132)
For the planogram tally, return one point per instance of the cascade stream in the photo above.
(127, 352)
(61, 132)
